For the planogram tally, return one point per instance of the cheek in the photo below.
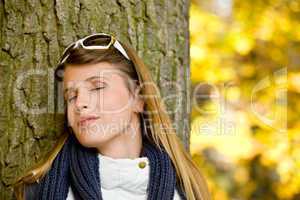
(115, 102)
(71, 117)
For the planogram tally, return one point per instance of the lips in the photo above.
(88, 119)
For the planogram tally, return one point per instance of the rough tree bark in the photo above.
(34, 34)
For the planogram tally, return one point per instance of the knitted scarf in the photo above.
(78, 167)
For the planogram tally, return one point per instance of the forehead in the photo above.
(80, 73)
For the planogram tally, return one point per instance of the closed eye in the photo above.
(98, 88)
(94, 89)
(72, 98)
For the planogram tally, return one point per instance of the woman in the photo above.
(117, 143)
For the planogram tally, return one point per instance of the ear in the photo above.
(139, 105)
(138, 101)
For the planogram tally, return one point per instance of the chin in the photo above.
(92, 139)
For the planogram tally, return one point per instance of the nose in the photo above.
(82, 100)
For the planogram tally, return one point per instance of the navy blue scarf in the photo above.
(78, 167)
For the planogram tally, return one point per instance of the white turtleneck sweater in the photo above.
(123, 178)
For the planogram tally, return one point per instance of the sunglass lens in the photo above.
(97, 40)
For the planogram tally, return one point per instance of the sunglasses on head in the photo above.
(94, 41)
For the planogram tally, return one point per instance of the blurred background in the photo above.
(245, 70)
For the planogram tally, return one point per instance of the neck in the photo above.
(127, 144)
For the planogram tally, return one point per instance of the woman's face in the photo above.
(99, 103)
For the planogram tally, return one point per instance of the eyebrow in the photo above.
(88, 79)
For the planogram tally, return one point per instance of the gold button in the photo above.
(142, 164)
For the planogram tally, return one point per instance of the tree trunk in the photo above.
(34, 34)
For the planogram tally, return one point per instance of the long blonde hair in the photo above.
(190, 178)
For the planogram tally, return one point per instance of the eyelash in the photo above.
(97, 88)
